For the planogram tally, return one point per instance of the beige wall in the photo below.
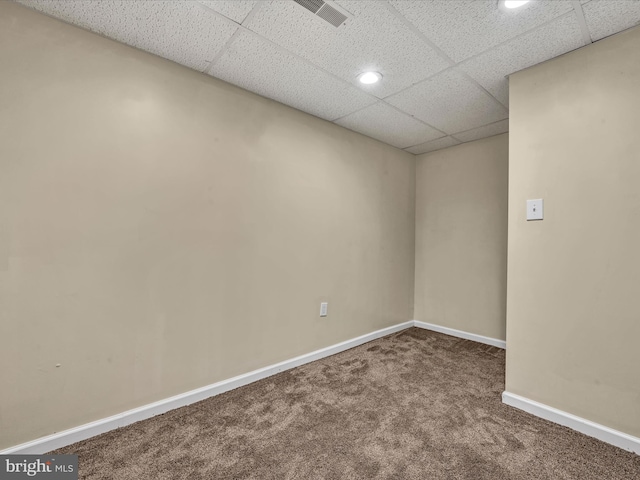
(573, 311)
(461, 237)
(163, 230)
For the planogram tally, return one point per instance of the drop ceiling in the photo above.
(445, 63)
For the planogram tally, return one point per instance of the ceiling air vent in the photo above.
(311, 5)
(324, 10)
(331, 15)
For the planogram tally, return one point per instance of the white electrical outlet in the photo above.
(323, 309)
(535, 209)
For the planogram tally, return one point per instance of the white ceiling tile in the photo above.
(463, 28)
(491, 68)
(374, 39)
(386, 124)
(433, 145)
(257, 65)
(236, 10)
(606, 17)
(449, 102)
(484, 131)
(180, 31)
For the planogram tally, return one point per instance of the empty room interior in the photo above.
(281, 239)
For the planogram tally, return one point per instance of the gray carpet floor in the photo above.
(412, 405)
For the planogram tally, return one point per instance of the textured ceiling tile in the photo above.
(189, 35)
(606, 17)
(463, 28)
(491, 68)
(236, 10)
(386, 124)
(433, 145)
(256, 65)
(374, 39)
(484, 131)
(180, 31)
(449, 102)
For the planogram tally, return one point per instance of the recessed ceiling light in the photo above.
(370, 77)
(514, 3)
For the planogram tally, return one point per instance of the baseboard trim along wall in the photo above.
(459, 333)
(592, 429)
(88, 430)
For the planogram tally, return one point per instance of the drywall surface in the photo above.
(573, 317)
(461, 237)
(162, 230)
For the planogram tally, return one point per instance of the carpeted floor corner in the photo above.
(412, 405)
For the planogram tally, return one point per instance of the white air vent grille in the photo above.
(331, 15)
(324, 10)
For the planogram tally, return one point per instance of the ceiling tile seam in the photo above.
(452, 67)
(308, 62)
(463, 74)
(428, 141)
(371, 96)
(414, 118)
(335, 77)
(475, 128)
(418, 33)
(253, 12)
(453, 63)
(586, 35)
(279, 47)
(394, 108)
(531, 30)
(429, 77)
(437, 49)
(222, 51)
(287, 51)
(356, 111)
(211, 10)
(489, 94)
(215, 58)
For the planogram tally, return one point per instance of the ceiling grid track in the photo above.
(479, 70)
(453, 64)
(222, 51)
(441, 53)
(370, 95)
(289, 52)
(520, 35)
(229, 42)
(252, 13)
(586, 35)
(471, 129)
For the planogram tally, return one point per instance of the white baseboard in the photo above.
(73, 435)
(459, 333)
(592, 429)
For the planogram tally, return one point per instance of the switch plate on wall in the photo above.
(323, 309)
(535, 209)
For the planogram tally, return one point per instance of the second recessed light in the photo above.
(515, 3)
(369, 77)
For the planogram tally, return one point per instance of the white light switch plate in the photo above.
(323, 309)
(535, 209)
